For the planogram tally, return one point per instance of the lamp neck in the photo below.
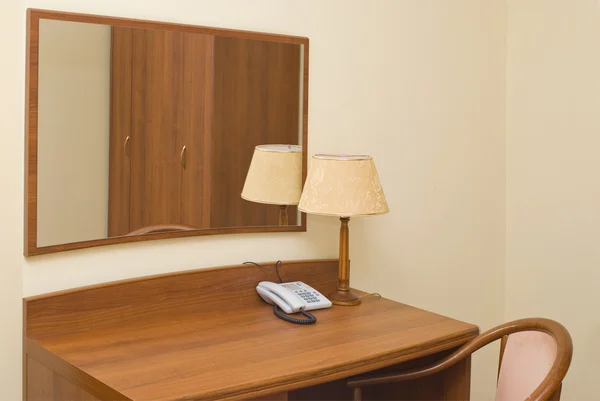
(343, 295)
(283, 215)
(344, 262)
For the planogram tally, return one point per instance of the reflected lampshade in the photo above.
(275, 175)
(343, 185)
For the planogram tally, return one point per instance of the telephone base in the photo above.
(344, 298)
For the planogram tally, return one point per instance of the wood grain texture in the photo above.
(194, 116)
(31, 134)
(548, 389)
(161, 228)
(257, 99)
(273, 397)
(169, 26)
(67, 391)
(173, 294)
(556, 395)
(31, 121)
(163, 235)
(256, 102)
(335, 390)
(503, 342)
(156, 146)
(119, 180)
(40, 381)
(453, 384)
(172, 87)
(69, 372)
(206, 335)
(46, 384)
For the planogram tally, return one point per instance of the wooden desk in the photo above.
(206, 335)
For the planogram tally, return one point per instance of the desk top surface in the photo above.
(228, 345)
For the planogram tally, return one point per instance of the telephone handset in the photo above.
(292, 297)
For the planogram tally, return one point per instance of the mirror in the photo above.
(139, 130)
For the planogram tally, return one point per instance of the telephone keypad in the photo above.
(309, 297)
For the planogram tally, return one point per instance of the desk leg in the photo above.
(453, 384)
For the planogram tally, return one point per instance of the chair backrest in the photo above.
(161, 228)
(536, 356)
(527, 360)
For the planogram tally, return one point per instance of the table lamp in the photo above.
(275, 177)
(344, 186)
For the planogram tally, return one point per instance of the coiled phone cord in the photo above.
(276, 310)
(279, 313)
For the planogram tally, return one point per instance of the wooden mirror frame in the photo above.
(31, 126)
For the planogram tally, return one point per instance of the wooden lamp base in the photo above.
(283, 215)
(343, 296)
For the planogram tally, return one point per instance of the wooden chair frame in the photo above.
(548, 389)
(161, 228)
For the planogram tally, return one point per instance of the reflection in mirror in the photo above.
(145, 130)
(275, 178)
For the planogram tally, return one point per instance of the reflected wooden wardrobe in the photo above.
(187, 110)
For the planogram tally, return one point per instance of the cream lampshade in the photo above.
(275, 177)
(344, 186)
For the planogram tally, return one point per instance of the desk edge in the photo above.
(280, 384)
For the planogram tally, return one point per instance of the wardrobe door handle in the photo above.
(126, 147)
(183, 156)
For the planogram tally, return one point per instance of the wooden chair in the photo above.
(535, 355)
(161, 228)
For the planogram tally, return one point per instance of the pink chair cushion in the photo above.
(528, 357)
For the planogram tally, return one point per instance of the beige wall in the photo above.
(11, 200)
(73, 127)
(432, 115)
(418, 84)
(553, 175)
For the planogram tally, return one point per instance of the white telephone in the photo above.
(292, 297)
